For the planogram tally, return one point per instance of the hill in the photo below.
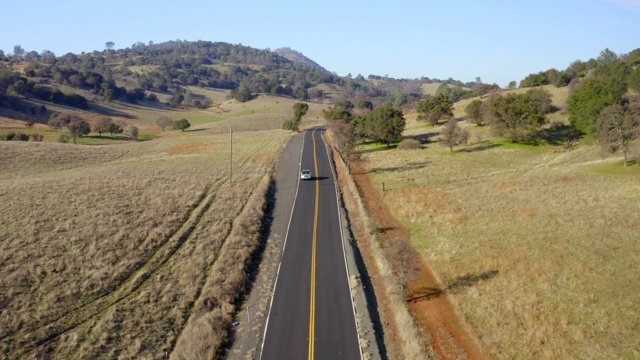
(165, 75)
(297, 56)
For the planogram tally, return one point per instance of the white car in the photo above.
(305, 174)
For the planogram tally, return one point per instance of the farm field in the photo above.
(115, 250)
(536, 247)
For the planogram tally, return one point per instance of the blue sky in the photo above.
(496, 40)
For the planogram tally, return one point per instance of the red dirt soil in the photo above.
(452, 338)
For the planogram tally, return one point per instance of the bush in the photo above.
(13, 136)
(9, 136)
(409, 144)
(290, 125)
(21, 137)
(152, 98)
(63, 138)
(181, 124)
(37, 137)
(132, 132)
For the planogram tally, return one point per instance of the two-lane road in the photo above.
(311, 313)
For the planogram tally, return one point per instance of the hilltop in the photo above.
(297, 56)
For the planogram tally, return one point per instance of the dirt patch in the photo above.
(186, 148)
(433, 311)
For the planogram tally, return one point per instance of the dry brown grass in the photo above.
(550, 239)
(107, 249)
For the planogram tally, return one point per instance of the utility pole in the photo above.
(230, 157)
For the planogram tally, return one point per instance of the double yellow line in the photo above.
(312, 309)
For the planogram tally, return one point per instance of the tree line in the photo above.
(171, 65)
(383, 124)
(599, 105)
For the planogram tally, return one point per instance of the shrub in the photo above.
(409, 144)
(63, 138)
(21, 137)
(181, 124)
(132, 132)
(290, 125)
(13, 136)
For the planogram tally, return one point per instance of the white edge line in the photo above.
(273, 292)
(335, 183)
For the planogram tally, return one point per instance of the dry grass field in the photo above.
(537, 247)
(430, 89)
(111, 251)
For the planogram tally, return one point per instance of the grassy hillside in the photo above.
(430, 89)
(110, 250)
(536, 245)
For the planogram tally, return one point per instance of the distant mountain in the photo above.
(298, 57)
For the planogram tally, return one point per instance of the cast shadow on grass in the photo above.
(381, 148)
(464, 281)
(410, 166)
(559, 135)
(485, 145)
(424, 138)
(107, 111)
(108, 137)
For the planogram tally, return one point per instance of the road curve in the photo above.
(311, 313)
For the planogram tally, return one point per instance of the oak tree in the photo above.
(404, 261)
(516, 116)
(132, 132)
(102, 125)
(115, 129)
(617, 127)
(475, 112)
(344, 140)
(435, 108)
(78, 128)
(163, 122)
(386, 124)
(587, 100)
(181, 124)
(452, 134)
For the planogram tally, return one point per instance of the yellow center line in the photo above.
(312, 310)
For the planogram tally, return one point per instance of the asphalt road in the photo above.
(311, 314)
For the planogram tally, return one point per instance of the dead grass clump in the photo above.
(409, 144)
(226, 281)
